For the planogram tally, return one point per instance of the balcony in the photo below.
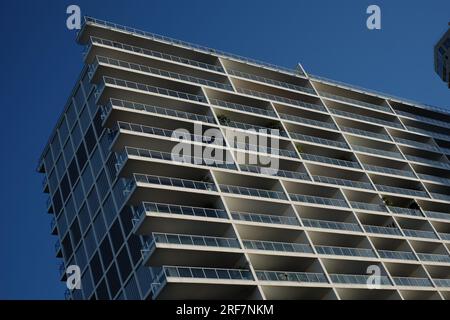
(415, 144)
(423, 119)
(318, 200)
(246, 126)
(434, 163)
(428, 177)
(412, 282)
(322, 141)
(145, 88)
(368, 206)
(440, 196)
(355, 102)
(358, 279)
(277, 172)
(405, 211)
(402, 191)
(433, 257)
(345, 251)
(171, 279)
(285, 247)
(442, 283)
(154, 54)
(365, 133)
(148, 70)
(397, 255)
(429, 133)
(265, 218)
(140, 107)
(281, 99)
(334, 225)
(371, 151)
(265, 150)
(241, 107)
(307, 121)
(343, 182)
(130, 152)
(437, 215)
(382, 230)
(419, 233)
(356, 116)
(175, 182)
(273, 82)
(328, 160)
(288, 276)
(253, 192)
(386, 170)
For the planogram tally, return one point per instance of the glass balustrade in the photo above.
(333, 161)
(318, 200)
(207, 273)
(386, 170)
(291, 276)
(281, 99)
(433, 257)
(400, 255)
(366, 133)
(277, 246)
(156, 54)
(440, 196)
(434, 178)
(345, 251)
(175, 182)
(265, 218)
(380, 152)
(382, 230)
(158, 110)
(423, 119)
(312, 122)
(367, 206)
(271, 81)
(158, 72)
(405, 211)
(365, 118)
(419, 233)
(444, 236)
(194, 240)
(252, 127)
(354, 101)
(403, 191)
(317, 140)
(435, 163)
(164, 208)
(343, 182)
(359, 279)
(437, 215)
(241, 107)
(324, 224)
(253, 192)
(429, 133)
(442, 282)
(276, 172)
(266, 150)
(412, 282)
(416, 144)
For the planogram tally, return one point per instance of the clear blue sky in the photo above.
(40, 62)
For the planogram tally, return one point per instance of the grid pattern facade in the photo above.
(363, 180)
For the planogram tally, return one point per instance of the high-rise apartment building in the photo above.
(441, 57)
(346, 189)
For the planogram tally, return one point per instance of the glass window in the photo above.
(124, 263)
(102, 185)
(86, 83)
(96, 267)
(79, 98)
(73, 172)
(67, 246)
(62, 224)
(98, 123)
(70, 209)
(126, 217)
(86, 283)
(76, 135)
(71, 115)
(68, 150)
(90, 242)
(78, 195)
(106, 252)
(81, 156)
(80, 256)
(75, 232)
(131, 290)
(113, 280)
(104, 144)
(91, 103)
(85, 219)
(99, 226)
(97, 162)
(56, 147)
(85, 119)
(93, 201)
(63, 131)
(145, 277)
(53, 181)
(116, 235)
(60, 167)
(87, 178)
(109, 210)
(57, 202)
(135, 246)
(102, 291)
(65, 187)
(48, 160)
(90, 140)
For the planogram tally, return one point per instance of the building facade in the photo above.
(335, 192)
(441, 57)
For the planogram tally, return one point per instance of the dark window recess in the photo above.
(81, 156)
(57, 203)
(96, 267)
(102, 185)
(73, 172)
(65, 187)
(106, 252)
(67, 246)
(116, 235)
(90, 140)
(124, 263)
(102, 291)
(113, 280)
(85, 219)
(98, 123)
(93, 201)
(135, 246)
(75, 232)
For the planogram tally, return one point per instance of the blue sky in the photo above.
(41, 61)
